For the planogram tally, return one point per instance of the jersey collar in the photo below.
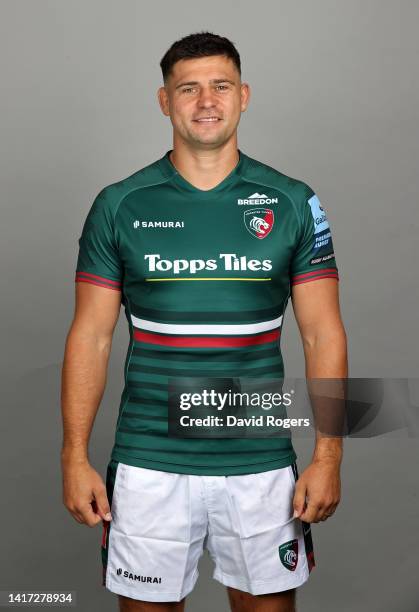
(169, 170)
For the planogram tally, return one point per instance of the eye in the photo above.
(188, 89)
(222, 87)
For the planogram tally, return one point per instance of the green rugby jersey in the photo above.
(205, 277)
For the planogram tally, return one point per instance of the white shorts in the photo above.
(163, 521)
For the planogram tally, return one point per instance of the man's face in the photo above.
(204, 98)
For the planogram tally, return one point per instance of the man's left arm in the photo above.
(317, 311)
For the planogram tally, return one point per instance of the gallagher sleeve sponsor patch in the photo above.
(314, 254)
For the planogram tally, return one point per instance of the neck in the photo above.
(204, 168)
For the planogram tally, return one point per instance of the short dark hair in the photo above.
(200, 44)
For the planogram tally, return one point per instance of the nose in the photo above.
(206, 98)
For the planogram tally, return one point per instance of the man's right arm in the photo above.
(86, 357)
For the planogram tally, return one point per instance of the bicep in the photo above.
(96, 309)
(316, 307)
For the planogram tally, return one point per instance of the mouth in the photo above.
(207, 120)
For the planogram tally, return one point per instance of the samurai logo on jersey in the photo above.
(158, 224)
(288, 553)
(137, 577)
(257, 199)
(259, 221)
(230, 261)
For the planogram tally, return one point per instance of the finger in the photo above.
(74, 512)
(89, 517)
(77, 517)
(312, 513)
(309, 515)
(326, 515)
(102, 503)
(329, 511)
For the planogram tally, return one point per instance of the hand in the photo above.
(320, 484)
(84, 493)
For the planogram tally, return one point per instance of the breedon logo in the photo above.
(258, 199)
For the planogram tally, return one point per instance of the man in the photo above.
(203, 248)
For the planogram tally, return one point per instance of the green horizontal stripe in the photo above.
(146, 417)
(173, 372)
(145, 432)
(223, 356)
(147, 385)
(213, 367)
(145, 377)
(196, 451)
(203, 351)
(138, 399)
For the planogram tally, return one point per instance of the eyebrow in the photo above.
(197, 82)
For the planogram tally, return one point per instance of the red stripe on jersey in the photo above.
(307, 280)
(314, 272)
(100, 281)
(108, 280)
(311, 276)
(206, 341)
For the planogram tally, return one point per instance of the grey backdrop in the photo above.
(334, 102)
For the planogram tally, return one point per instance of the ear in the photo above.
(245, 96)
(163, 100)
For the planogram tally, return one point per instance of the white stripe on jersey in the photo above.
(220, 330)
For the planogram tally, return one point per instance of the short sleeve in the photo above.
(314, 256)
(98, 260)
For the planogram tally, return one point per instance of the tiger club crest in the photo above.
(288, 553)
(259, 221)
